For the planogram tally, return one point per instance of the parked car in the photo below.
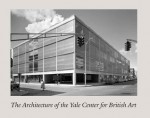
(14, 85)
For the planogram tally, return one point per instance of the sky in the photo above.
(114, 26)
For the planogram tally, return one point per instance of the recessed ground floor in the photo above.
(70, 78)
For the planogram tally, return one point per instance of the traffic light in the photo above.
(127, 46)
(80, 41)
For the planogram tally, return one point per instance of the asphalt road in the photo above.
(120, 89)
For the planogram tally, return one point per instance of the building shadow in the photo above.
(35, 92)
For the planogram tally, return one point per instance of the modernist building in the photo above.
(53, 56)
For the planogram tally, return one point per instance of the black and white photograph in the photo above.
(74, 59)
(73, 52)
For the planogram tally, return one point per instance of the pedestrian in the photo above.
(42, 85)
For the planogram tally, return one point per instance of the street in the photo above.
(119, 89)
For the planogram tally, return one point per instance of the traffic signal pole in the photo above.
(85, 65)
(30, 36)
(80, 42)
(85, 76)
(131, 40)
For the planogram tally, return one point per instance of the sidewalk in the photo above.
(34, 89)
